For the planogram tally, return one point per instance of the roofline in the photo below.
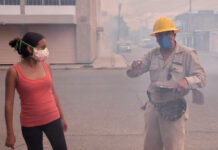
(37, 19)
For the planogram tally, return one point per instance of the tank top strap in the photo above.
(46, 68)
(19, 73)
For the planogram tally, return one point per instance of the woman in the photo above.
(40, 108)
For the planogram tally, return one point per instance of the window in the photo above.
(51, 2)
(68, 2)
(33, 2)
(39, 2)
(9, 2)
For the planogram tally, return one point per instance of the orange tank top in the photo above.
(38, 106)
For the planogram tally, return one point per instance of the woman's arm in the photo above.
(64, 124)
(10, 84)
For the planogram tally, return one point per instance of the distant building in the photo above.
(70, 27)
(199, 30)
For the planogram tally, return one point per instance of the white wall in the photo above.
(38, 10)
(61, 42)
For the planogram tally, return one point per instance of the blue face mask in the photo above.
(165, 42)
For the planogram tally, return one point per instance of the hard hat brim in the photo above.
(173, 29)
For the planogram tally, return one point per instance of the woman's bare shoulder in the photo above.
(11, 72)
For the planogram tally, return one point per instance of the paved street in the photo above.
(102, 108)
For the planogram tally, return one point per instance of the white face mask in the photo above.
(40, 54)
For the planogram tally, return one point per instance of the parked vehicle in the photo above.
(147, 43)
(124, 47)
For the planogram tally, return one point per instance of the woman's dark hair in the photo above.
(30, 38)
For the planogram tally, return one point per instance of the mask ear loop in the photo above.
(21, 41)
(20, 46)
(16, 46)
(32, 56)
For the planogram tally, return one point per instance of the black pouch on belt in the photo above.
(171, 110)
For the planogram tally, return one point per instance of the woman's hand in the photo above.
(64, 125)
(10, 141)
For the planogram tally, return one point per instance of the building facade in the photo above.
(70, 28)
(199, 30)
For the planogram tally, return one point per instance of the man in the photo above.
(174, 70)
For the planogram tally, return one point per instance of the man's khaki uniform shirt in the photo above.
(182, 63)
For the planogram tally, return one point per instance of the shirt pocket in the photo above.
(154, 71)
(177, 68)
(177, 64)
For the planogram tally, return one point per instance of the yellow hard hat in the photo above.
(163, 24)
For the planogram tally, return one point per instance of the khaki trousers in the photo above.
(162, 134)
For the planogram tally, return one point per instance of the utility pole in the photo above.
(190, 34)
(23, 28)
(190, 6)
(118, 33)
(22, 7)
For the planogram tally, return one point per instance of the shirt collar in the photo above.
(177, 48)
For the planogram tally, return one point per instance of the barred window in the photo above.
(68, 2)
(10, 2)
(33, 2)
(39, 2)
(51, 2)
